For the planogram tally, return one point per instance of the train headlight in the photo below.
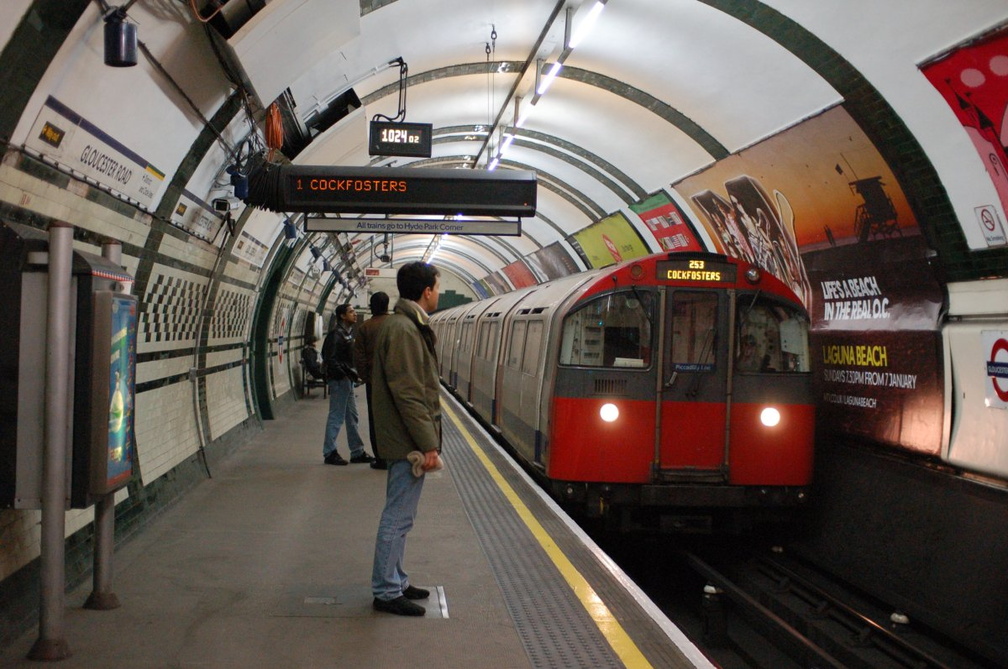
(609, 412)
(770, 417)
(753, 275)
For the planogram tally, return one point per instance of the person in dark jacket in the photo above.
(407, 406)
(310, 358)
(337, 352)
(364, 344)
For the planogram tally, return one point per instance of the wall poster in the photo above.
(973, 79)
(818, 207)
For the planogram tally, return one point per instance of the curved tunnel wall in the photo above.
(220, 333)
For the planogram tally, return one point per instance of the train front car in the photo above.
(681, 398)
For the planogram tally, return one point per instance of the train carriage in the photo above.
(669, 392)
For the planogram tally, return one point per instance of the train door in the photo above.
(692, 413)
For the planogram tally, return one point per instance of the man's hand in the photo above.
(430, 460)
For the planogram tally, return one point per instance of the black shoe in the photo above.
(415, 593)
(334, 458)
(400, 606)
(379, 463)
(363, 458)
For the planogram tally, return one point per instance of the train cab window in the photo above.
(610, 331)
(516, 347)
(693, 323)
(772, 338)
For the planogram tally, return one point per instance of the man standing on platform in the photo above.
(407, 408)
(337, 351)
(364, 345)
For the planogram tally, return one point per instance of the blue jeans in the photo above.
(342, 408)
(402, 496)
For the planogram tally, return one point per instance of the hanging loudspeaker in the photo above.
(120, 40)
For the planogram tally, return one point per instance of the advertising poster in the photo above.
(552, 262)
(496, 283)
(611, 240)
(973, 79)
(668, 224)
(818, 207)
(121, 393)
(479, 287)
(519, 274)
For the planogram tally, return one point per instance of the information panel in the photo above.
(388, 138)
(415, 226)
(406, 191)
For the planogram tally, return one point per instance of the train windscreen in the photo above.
(613, 330)
(772, 337)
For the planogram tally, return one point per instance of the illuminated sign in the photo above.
(695, 270)
(394, 190)
(400, 139)
(417, 226)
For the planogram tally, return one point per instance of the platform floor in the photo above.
(268, 563)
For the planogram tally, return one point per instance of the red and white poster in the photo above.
(668, 223)
(973, 79)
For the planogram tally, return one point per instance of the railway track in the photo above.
(764, 610)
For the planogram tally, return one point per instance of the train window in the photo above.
(533, 344)
(481, 345)
(610, 331)
(772, 338)
(694, 322)
(492, 341)
(516, 348)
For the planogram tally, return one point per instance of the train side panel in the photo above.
(462, 367)
(524, 365)
(486, 380)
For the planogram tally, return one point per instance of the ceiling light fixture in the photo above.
(586, 25)
(547, 81)
(543, 82)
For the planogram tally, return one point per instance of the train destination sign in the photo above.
(403, 190)
(388, 138)
(698, 270)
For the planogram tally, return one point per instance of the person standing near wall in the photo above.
(364, 345)
(407, 408)
(337, 351)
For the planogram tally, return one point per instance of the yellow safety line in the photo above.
(613, 632)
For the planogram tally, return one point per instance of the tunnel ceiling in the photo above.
(654, 92)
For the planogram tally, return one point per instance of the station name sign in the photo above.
(403, 190)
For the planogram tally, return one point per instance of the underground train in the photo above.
(668, 393)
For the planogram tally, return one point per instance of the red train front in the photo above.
(682, 390)
(671, 392)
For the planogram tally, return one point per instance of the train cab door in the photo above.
(691, 434)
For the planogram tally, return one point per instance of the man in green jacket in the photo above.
(407, 407)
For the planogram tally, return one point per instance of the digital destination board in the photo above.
(403, 190)
(695, 270)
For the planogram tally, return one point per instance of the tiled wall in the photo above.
(193, 385)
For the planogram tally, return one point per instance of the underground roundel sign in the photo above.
(995, 346)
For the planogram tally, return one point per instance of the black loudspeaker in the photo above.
(120, 40)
